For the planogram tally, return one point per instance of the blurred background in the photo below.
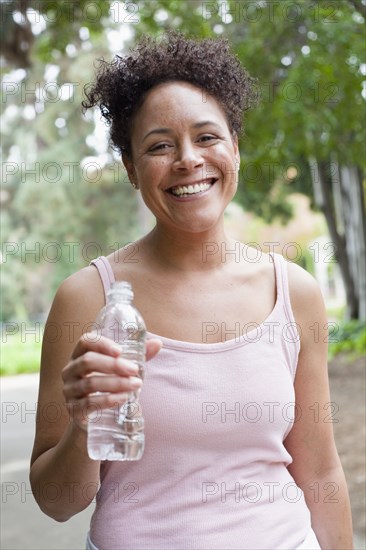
(66, 199)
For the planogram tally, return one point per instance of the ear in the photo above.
(236, 147)
(128, 164)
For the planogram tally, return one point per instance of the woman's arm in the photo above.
(316, 466)
(64, 479)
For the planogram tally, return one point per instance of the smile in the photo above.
(193, 189)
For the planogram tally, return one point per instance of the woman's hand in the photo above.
(98, 377)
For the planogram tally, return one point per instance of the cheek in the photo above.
(152, 169)
(230, 167)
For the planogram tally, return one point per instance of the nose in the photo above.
(188, 156)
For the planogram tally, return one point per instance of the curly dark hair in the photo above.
(121, 86)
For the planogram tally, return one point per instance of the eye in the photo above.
(160, 147)
(207, 138)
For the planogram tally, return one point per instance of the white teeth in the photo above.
(190, 189)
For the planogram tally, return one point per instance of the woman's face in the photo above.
(184, 158)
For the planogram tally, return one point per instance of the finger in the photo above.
(101, 384)
(92, 362)
(153, 347)
(93, 341)
(85, 409)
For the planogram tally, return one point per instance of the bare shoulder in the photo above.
(307, 303)
(305, 294)
(81, 293)
(300, 280)
(82, 280)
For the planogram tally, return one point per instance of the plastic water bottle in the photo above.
(118, 433)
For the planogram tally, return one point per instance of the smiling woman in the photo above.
(227, 463)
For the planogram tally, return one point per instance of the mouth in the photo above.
(192, 189)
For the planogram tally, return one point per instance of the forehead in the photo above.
(179, 103)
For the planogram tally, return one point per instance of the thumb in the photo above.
(153, 347)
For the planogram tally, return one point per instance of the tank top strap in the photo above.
(105, 272)
(283, 291)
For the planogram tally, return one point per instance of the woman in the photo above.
(225, 463)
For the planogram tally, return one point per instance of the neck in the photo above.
(186, 251)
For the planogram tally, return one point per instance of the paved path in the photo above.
(23, 525)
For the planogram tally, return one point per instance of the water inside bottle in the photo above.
(121, 440)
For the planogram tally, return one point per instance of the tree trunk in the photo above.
(354, 221)
(338, 193)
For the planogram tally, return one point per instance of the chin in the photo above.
(200, 226)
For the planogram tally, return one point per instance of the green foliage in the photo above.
(347, 337)
(307, 57)
(20, 355)
(64, 204)
(64, 21)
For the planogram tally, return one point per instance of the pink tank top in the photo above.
(214, 472)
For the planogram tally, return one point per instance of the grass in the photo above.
(350, 338)
(19, 354)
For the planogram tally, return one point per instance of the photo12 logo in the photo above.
(90, 12)
(257, 11)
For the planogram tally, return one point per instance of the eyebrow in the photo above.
(169, 131)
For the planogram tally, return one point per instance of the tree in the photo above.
(60, 184)
(39, 28)
(307, 133)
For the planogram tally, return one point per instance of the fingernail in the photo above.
(135, 382)
(116, 349)
(127, 366)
